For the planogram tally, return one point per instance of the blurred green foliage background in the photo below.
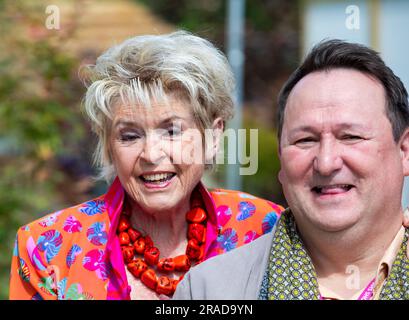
(46, 145)
(41, 126)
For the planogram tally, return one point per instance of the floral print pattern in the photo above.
(72, 225)
(50, 243)
(246, 210)
(69, 255)
(223, 214)
(94, 207)
(49, 220)
(228, 239)
(97, 235)
(94, 260)
(72, 255)
(269, 221)
(250, 236)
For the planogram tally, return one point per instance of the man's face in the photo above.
(340, 165)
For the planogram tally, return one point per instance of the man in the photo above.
(343, 129)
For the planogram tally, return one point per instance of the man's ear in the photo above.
(213, 141)
(404, 150)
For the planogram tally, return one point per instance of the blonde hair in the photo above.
(150, 67)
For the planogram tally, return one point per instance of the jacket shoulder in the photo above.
(235, 197)
(87, 211)
(242, 217)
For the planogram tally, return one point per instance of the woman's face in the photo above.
(157, 151)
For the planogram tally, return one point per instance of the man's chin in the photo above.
(332, 219)
(330, 223)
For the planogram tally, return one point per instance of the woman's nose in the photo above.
(152, 150)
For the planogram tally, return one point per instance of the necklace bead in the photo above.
(149, 279)
(166, 265)
(123, 224)
(128, 253)
(133, 234)
(151, 256)
(139, 245)
(124, 239)
(133, 243)
(137, 267)
(182, 263)
(196, 231)
(196, 215)
(164, 286)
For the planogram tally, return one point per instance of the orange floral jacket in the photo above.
(75, 253)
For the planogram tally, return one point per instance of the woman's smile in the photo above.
(157, 179)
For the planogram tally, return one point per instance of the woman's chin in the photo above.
(159, 203)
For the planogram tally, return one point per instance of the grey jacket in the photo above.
(236, 275)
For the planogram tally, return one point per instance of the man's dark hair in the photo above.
(331, 54)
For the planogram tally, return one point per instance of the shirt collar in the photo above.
(385, 265)
(383, 270)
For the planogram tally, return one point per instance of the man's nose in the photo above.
(152, 149)
(329, 158)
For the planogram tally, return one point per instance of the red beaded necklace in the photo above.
(134, 244)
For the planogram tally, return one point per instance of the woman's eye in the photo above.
(174, 131)
(129, 136)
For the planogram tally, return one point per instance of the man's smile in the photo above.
(332, 189)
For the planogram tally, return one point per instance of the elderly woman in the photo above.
(158, 105)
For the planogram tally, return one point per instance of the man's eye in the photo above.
(303, 141)
(351, 137)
